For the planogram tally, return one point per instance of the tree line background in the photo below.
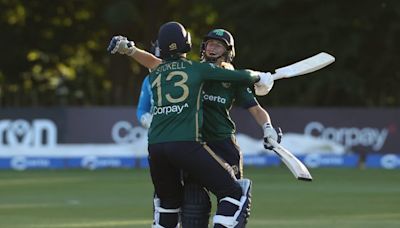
(53, 53)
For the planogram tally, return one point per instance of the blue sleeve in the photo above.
(144, 104)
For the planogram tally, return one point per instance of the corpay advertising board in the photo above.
(99, 137)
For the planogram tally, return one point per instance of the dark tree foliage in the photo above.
(54, 52)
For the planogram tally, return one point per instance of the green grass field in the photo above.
(345, 198)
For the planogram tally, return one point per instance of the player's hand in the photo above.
(271, 133)
(265, 84)
(121, 45)
(146, 119)
(227, 66)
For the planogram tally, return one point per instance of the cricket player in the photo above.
(218, 130)
(143, 111)
(174, 134)
(145, 104)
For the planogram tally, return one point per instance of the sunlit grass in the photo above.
(337, 198)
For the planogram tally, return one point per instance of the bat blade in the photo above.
(298, 169)
(305, 66)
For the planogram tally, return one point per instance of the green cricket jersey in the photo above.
(218, 99)
(176, 86)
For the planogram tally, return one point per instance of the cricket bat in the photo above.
(305, 66)
(298, 169)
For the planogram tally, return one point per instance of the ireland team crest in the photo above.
(226, 84)
(218, 32)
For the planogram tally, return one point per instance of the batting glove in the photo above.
(271, 133)
(265, 84)
(146, 119)
(121, 45)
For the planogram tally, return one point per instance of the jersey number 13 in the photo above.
(181, 83)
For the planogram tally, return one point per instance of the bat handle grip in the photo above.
(278, 75)
(273, 142)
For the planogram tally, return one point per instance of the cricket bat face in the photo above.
(298, 169)
(305, 66)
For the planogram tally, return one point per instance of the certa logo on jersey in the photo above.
(218, 99)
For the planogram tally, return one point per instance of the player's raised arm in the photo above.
(146, 59)
(121, 45)
(263, 81)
